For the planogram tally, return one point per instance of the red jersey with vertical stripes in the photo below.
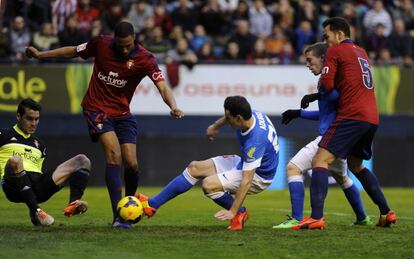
(347, 68)
(115, 78)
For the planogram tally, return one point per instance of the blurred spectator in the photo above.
(145, 32)
(157, 44)
(36, 13)
(212, 18)
(45, 38)
(198, 38)
(138, 14)
(112, 18)
(19, 38)
(377, 41)
(274, 42)
(287, 56)
(404, 11)
(60, 11)
(96, 29)
(378, 15)
(244, 39)
(283, 13)
(307, 12)
(71, 35)
(241, 12)
(86, 14)
(185, 16)
(401, 43)
(163, 19)
(303, 36)
(232, 53)
(205, 54)
(259, 54)
(260, 20)
(182, 54)
(5, 50)
(176, 34)
(384, 57)
(228, 6)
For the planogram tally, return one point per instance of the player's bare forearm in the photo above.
(64, 52)
(168, 98)
(242, 191)
(214, 129)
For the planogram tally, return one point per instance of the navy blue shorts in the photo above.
(125, 127)
(349, 138)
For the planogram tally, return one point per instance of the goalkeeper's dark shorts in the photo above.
(42, 185)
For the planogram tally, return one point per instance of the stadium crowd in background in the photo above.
(211, 31)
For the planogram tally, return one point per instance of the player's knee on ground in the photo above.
(13, 166)
(83, 161)
(211, 185)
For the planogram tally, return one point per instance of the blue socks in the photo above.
(224, 200)
(178, 185)
(114, 185)
(371, 185)
(297, 195)
(318, 191)
(353, 196)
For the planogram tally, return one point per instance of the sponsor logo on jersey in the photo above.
(157, 76)
(112, 79)
(27, 156)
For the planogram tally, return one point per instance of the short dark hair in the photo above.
(124, 29)
(318, 49)
(238, 105)
(338, 24)
(28, 103)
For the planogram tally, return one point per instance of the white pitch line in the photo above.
(345, 214)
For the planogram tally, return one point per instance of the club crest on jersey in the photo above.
(129, 64)
(250, 153)
(99, 126)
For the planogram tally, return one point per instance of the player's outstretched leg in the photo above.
(177, 186)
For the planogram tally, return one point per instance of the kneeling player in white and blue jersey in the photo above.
(302, 161)
(222, 176)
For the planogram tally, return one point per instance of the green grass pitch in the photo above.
(185, 228)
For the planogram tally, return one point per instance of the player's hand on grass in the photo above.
(304, 103)
(224, 215)
(212, 132)
(177, 113)
(289, 115)
(32, 52)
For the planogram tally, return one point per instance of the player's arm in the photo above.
(240, 196)
(214, 129)
(310, 115)
(329, 68)
(168, 97)
(64, 52)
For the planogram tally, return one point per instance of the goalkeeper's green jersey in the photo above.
(31, 149)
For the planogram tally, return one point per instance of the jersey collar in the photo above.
(20, 132)
(347, 41)
(251, 127)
